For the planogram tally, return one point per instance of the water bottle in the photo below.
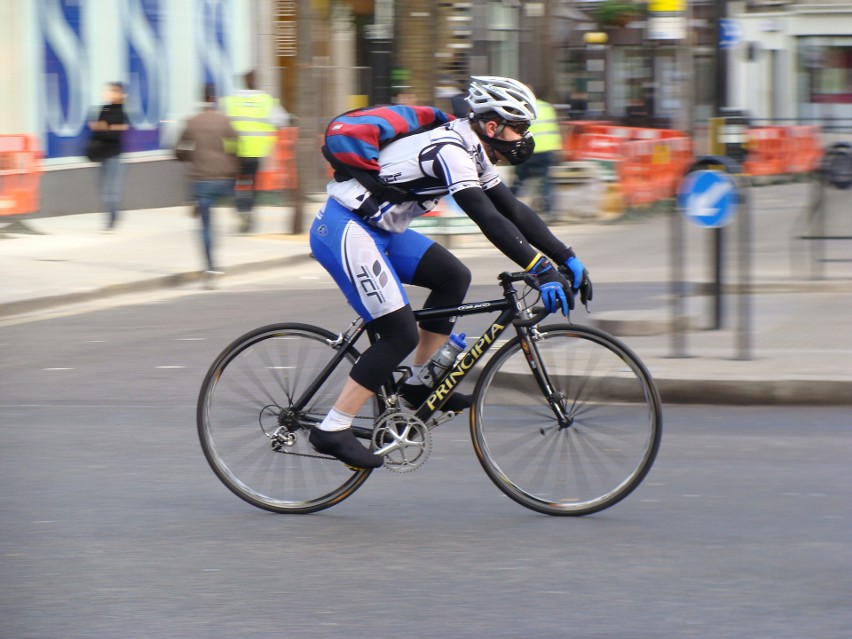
(442, 361)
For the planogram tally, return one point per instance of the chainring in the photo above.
(403, 439)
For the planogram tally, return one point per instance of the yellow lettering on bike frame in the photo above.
(467, 362)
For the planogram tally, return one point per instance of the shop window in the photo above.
(826, 64)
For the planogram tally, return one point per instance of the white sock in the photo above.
(415, 371)
(336, 420)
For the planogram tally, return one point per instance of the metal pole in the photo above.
(744, 267)
(720, 101)
(306, 102)
(678, 293)
(819, 231)
(717, 254)
(720, 97)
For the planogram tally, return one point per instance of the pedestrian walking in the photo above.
(105, 146)
(256, 116)
(548, 149)
(209, 144)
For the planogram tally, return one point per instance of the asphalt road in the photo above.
(112, 525)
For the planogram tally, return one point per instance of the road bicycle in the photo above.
(565, 419)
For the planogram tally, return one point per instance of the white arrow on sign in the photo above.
(706, 204)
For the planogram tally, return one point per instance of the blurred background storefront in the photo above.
(662, 63)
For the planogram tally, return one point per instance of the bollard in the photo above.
(710, 198)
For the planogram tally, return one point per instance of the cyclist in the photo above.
(367, 247)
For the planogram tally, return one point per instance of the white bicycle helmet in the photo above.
(509, 99)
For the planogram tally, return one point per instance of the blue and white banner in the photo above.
(164, 51)
(146, 73)
(64, 82)
(214, 44)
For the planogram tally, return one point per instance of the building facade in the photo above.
(779, 60)
(793, 61)
(59, 54)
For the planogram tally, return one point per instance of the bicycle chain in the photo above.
(292, 452)
(395, 467)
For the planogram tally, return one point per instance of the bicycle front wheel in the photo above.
(588, 462)
(253, 436)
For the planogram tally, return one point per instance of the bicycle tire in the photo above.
(611, 443)
(243, 394)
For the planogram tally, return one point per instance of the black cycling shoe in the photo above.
(343, 445)
(415, 394)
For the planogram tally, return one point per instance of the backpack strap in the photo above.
(368, 179)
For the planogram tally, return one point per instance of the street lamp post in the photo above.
(596, 67)
(380, 36)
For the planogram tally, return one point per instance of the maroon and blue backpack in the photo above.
(354, 139)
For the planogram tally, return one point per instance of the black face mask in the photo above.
(516, 152)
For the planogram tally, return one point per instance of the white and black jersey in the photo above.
(429, 165)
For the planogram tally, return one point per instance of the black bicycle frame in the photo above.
(510, 310)
(467, 361)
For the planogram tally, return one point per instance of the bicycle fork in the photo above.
(529, 337)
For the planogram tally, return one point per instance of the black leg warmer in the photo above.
(448, 279)
(395, 336)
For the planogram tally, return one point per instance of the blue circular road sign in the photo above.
(708, 198)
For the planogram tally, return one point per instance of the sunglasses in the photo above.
(518, 127)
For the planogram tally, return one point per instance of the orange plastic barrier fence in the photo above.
(649, 163)
(20, 174)
(806, 149)
(683, 156)
(596, 146)
(640, 182)
(279, 170)
(571, 131)
(767, 151)
(776, 150)
(652, 169)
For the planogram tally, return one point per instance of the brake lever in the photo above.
(531, 280)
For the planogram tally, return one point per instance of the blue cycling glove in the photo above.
(580, 276)
(554, 288)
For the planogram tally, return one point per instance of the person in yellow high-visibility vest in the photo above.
(256, 116)
(548, 150)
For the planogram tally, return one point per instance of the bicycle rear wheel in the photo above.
(609, 443)
(254, 440)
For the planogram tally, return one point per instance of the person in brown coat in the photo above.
(209, 144)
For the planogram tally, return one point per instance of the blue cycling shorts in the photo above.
(369, 264)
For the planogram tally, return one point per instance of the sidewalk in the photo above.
(800, 338)
(67, 259)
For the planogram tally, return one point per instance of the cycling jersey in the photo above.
(370, 256)
(429, 165)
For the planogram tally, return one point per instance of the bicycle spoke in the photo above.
(589, 462)
(250, 432)
(279, 372)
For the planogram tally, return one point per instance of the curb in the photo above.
(642, 323)
(756, 392)
(791, 287)
(745, 391)
(139, 286)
